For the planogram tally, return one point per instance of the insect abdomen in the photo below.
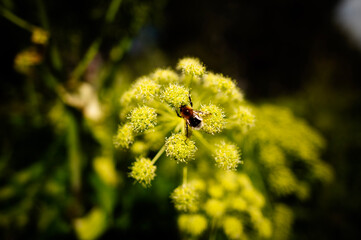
(195, 122)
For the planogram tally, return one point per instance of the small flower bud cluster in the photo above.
(227, 156)
(232, 227)
(283, 219)
(229, 199)
(193, 224)
(143, 171)
(143, 118)
(213, 120)
(165, 76)
(175, 95)
(279, 136)
(40, 36)
(191, 67)
(245, 120)
(180, 148)
(185, 198)
(124, 137)
(222, 87)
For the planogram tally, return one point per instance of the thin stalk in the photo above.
(159, 154)
(89, 56)
(203, 141)
(42, 14)
(74, 155)
(112, 10)
(16, 20)
(185, 175)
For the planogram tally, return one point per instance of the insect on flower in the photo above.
(192, 117)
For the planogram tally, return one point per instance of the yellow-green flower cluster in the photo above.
(274, 143)
(283, 219)
(185, 198)
(192, 224)
(153, 119)
(227, 156)
(143, 171)
(40, 36)
(229, 201)
(124, 137)
(143, 118)
(213, 120)
(222, 88)
(191, 67)
(165, 76)
(175, 95)
(180, 148)
(232, 227)
(145, 89)
(243, 119)
(280, 136)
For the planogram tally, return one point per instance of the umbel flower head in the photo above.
(143, 171)
(179, 113)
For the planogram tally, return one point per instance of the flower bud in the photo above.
(124, 137)
(227, 156)
(143, 171)
(232, 227)
(143, 118)
(214, 208)
(222, 87)
(175, 95)
(180, 148)
(165, 76)
(185, 198)
(145, 89)
(213, 119)
(191, 67)
(194, 224)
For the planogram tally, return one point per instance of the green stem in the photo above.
(185, 175)
(74, 153)
(16, 20)
(212, 234)
(42, 14)
(112, 10)
(159, 154)
(200, 138)
(89, 56)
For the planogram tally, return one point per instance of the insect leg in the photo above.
(190, 99)
(177, 113)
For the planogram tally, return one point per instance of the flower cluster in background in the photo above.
(216, 193)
